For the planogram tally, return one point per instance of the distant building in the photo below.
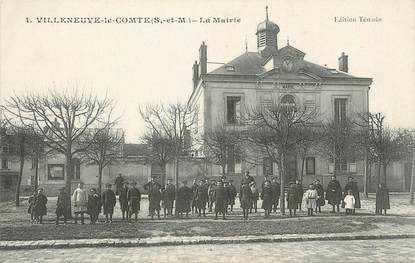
(278, 74)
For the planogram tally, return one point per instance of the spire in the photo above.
(288, 40)
(246, 44)
(266, 11)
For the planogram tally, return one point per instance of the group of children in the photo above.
(200, 196)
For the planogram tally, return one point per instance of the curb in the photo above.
(175, 241)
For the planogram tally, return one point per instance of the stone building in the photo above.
(273, 73)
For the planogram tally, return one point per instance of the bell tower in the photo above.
(266, 33)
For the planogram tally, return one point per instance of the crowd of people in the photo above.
(215, 196)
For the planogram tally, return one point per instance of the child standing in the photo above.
(154, 203)
(31, 204)
(40, 205)
(245, 198)
(266, 196)
(80, 202)
(108, 203)
(382, 199)
(349, 202)
(63, 206)
(134, 198)
(255, 197)
(292, 199)
(94, 205)
(310, 197)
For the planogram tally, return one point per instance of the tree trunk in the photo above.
(68, 178)
(282, 183)
(365, 176)
(36, 172)
(302, 169)
(411, 201)
(384, 172)
(19, 181)
(177, 184)
(163, 173)
(379, 172)
(100, 168)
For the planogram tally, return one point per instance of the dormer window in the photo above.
(333, 71)
(230, 68)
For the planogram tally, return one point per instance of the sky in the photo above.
(140, 63)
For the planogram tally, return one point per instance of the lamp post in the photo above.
(413, 171)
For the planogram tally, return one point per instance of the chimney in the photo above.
(203, 59)
(195, 74)
(343, 63)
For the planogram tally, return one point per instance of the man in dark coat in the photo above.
(211, 193)
(245, 198)
(382, 199)
(94, 205)
(276, 191)
(154, 203)
(194, 188)
(118, 183)
(108, 203)
(122, 198)
(134, 198)
(184, 199)
(334, 194)
(320, 198)
(267, 198)
(300, 193)
(352, 185)
(63, 206)
(233, 193)
(266, 179)
(201, 198)
(292, 196)
(221, 196)
(148, 186)
(170, 196)
(39, 205)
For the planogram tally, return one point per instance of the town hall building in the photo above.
(283, 75)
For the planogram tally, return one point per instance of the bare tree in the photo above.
(162, 150)
(105, 145)
(278, 129)
(173, 121)
(311, 136)
(223, 144)
(61, 117)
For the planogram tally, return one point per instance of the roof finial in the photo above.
(266, 11)
(288, 40)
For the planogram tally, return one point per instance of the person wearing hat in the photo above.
(232, 194)
(211, 193)
(134, 198)
(94, 205)
(320, 195)
(334, 194)
(63, 206)
(169, 195)
(122, 198)
(276, 191)
(149, 188)
(267, 198)
(80, 202)
(292, 203)
(300, 192)
(194, 189)
(184, 198)
(108, 203)
(245, 198)
(221, 199)
(40, 205)
(352, 185)
(154, 202)
(201, 198)
(247, 179)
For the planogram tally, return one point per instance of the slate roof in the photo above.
(251, 63)
(134, 150)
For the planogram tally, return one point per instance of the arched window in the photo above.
(288, 101)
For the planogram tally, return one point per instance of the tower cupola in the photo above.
(267, 32)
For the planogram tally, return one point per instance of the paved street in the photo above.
(399, 250)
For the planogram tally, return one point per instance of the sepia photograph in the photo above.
(207, 131)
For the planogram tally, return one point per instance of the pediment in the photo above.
(278, 74)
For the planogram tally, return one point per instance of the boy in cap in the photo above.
(40, 205)
(233, 193)
(320, 192)
(194, 189)
(245, 198)
(122, 198)
(134, 198)
(108, 203)
(63, 206)
(211, 192)
(154, 203)
(184, 198)
(276, 191)
(94, 205)
(148, 187)
(292, 196)
(169, 195)
(255, 197)
(201, 198)
(221, 196)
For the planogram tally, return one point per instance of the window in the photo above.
(230, 68)
(288, 101)
(233, 159)
(76, 169)
(340, 164)
(5, 148)
(340, 110)
(267, 166)
(310, 165)
(4, 163)
(56, 171)
(7, 182)
(233, 107)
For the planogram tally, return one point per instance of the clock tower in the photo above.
(267, 32)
